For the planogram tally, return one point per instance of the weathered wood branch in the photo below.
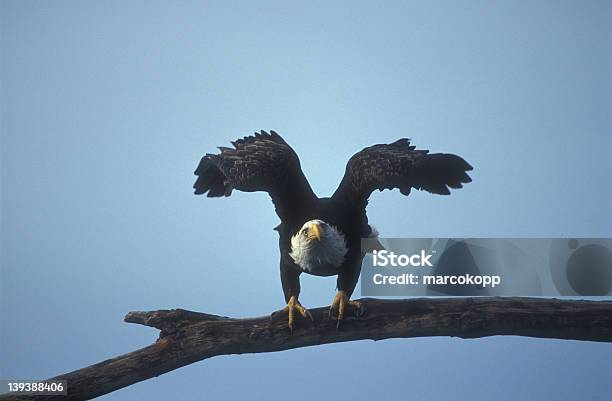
(187, 337)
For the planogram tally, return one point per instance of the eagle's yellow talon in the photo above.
(292, 306)
(340, 302)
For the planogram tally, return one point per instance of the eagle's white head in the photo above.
(318, 248)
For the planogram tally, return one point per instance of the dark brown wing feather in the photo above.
(262, 162)
(400, 165)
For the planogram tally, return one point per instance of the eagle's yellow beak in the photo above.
(314, 232)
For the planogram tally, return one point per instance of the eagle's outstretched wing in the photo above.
(400, 165)
(263, 162)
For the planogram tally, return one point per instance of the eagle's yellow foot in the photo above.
(340, 303)
(292, 306)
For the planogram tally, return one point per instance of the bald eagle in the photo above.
(322, 236)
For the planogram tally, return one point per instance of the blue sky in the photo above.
(107, 106)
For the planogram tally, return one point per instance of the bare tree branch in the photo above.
(187, 337)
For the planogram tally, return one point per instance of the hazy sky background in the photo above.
(107, 107)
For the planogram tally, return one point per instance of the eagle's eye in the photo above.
(305, 231)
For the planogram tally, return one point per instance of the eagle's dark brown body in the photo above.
(351, 221)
